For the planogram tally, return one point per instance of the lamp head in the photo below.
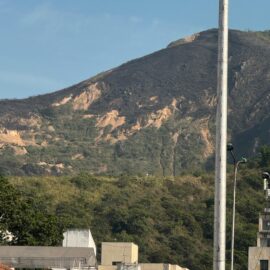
(266, 175)
(243, 160)
(229, 147)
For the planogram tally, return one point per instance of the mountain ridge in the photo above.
(151, 115)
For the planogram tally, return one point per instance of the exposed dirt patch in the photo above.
(88, 116)
(85, 99)
(121, 137)
(207, 138)
(64, 101)
(11, 137)
(59, 167)
(44, 144)
(77, 157)
(154, 99)
(112, 140)
(175, 137)
(184, 40)
(51, 128)
(112, 119)
(136, 127)
(174, 104)
(33, 121)
(208, 99)
(157, 119)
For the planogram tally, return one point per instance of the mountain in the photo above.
(152, 115)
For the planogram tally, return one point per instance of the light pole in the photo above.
(236, 164)
(221, 141)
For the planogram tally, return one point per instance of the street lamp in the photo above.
(265, 175)
(236, 164)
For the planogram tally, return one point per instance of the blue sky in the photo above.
(47, 45)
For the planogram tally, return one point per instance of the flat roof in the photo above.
(47, 257)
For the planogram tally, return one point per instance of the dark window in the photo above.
(266, 225)
(117, 263)
(263, 264)
(268, 242)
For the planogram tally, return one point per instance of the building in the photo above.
(79, 238)
(124, 256)
(259, 256)
(114, 253)
(160, 266)
(47, 257)
(78, 252)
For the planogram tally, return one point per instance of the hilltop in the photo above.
(153, 115)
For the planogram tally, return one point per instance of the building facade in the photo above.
(259, 256)
(124, 256)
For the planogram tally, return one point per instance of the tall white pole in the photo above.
(221, 140)
(233, 213)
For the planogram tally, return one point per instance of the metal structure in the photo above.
(47, 257)
(221, 140)
(236, 164)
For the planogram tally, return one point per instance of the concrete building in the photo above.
(78, 252)
(124, 256)
(160, 266)
(113, 253)
(47, 257)
(259, 256)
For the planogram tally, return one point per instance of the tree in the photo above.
(26, 220)
(265, 156)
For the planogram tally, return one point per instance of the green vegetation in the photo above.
(150, 151)
(26, 219)
(169, 218)
(265, 35)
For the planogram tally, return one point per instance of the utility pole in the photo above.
(221, 140)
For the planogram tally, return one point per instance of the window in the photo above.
(263, 264)
(117, 263)
(266, 225)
